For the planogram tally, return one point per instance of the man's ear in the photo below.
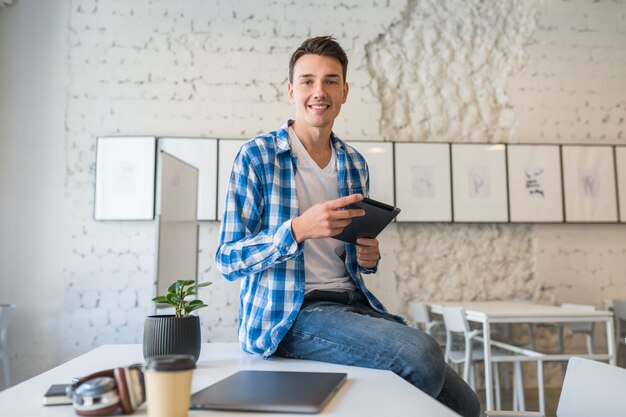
(345, 93)
(290, 92)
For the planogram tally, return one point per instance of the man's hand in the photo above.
(367, 252)
(325, 219)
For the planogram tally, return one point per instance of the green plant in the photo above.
(176, 294)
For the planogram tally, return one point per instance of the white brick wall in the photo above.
(453, 70)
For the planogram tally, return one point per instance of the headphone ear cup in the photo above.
(123, 390)
(97, 396)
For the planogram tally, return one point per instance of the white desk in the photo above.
(367, 392)
(489, 312)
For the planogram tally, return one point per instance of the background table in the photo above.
(367, 392)
(490, 312)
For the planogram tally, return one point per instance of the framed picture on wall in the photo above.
(479, 188)
(379, 157)
(202, 154)
(227, 151)
(423, 186)
(535, 191)
(620, 165)
(589, 184)
(125, 178)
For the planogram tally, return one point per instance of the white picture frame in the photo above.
(125, 178)
(535, 183)
(620, 168)
(479, 187)
(423, 182)
(589, 186)
(202, 154)
(227, 151)
(379, 158)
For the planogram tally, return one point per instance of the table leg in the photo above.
(488, 379)
(610, 341)
(540, 387)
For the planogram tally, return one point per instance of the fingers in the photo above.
(369, 261)
(345, 201)
(369, 258)
(348, 214)
(367, 246)
(340, 223)
(367, 252)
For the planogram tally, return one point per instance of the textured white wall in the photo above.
(453, 70)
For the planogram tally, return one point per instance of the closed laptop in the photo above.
(270, 391)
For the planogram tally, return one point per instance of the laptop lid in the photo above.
(270, 391)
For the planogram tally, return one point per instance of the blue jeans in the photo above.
(344, 329)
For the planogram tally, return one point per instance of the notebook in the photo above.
(270, 391)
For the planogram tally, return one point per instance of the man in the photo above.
(302, 294)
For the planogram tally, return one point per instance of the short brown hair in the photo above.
(321, 45)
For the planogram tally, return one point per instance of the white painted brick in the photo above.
(445, 72)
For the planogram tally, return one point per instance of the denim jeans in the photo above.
(344, 329)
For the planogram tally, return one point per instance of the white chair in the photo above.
(6, 313)
(585, 329)
(421, 320)
(590, 389)
(456, 323)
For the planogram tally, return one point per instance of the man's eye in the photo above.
(306, 82)
(331, 82)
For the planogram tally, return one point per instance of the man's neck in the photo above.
(316, 141)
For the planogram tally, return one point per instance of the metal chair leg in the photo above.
(519, 382)
(589, 344)
(496, 380)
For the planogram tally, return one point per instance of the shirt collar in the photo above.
(282, 139)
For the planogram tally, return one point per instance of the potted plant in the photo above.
(178, 333)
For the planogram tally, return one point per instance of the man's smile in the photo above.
(319, 106)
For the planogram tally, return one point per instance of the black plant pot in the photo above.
(168, 335)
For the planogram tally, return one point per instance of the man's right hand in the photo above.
(325, 219)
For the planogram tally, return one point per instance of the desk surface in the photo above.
(367, 392)
(511, 311)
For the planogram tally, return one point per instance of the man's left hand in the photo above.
(367, 252)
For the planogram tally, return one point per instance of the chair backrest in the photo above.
(6, 313)
(455, 320)
(592, 388)
(419, 313)
(585, 327)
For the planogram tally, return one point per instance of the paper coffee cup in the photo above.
(168, 385)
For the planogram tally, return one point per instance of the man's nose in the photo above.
(319, 90)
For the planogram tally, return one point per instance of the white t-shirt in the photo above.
(323, 258)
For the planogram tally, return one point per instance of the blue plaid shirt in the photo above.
(256, 242)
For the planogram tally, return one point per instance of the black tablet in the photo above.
(377, 216)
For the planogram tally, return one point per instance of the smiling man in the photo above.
(302, 294)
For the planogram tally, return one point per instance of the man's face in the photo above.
(318, 90)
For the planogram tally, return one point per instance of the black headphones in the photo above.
(102, 393)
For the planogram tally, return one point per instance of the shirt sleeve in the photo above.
(245, 248)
